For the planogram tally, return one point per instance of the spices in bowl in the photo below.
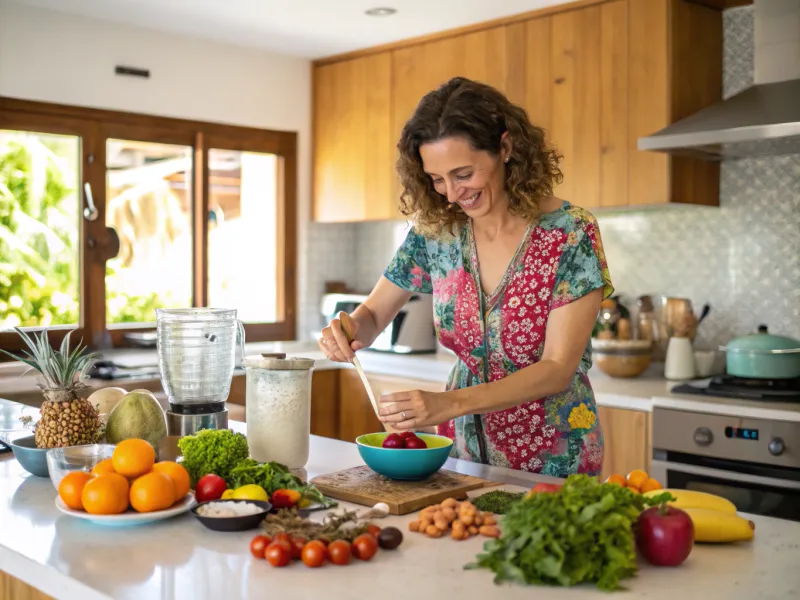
(231, 515)
(229, 509)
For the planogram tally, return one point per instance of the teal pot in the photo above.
(763, 356)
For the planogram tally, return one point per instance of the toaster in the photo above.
(410, 332)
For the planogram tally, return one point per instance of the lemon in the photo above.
(227, 495)
(250, 492)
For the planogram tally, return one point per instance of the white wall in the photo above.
(55, 57)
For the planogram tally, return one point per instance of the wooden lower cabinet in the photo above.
(627, 440)
(325, 403)
(12, 588)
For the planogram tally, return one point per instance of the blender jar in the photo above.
(278, 406)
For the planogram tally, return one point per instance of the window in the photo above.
(106, 216)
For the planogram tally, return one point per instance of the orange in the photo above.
(650, 484)
(634, 489)
(71, 487)
(179, 476)
(104, 466)
(617, 478)
(133, 457)
(106, 494)
(152, 492)
(636, 478)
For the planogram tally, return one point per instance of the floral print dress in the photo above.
(560, 259)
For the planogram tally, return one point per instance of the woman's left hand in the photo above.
(415, 409)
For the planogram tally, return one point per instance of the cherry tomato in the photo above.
(283, 537)
(297, 547)
(314, 554)
(278, 554)
(340, 552)
(373, 530)
(258, 545)
(365, 546)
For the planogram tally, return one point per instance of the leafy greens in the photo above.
(582, 533)
(274, 476)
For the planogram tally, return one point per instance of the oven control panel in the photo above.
(763, 441)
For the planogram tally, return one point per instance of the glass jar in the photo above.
(278, 408)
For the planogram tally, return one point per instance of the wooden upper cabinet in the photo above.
(353, 158)
(675, 69)
(575, 89)
(596, 77)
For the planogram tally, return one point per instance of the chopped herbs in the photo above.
(497, 502)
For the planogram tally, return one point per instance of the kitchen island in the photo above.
(177, 559)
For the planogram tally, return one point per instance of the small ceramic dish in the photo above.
(32, 459)
(240, 523)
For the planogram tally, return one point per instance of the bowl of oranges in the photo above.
(638, 481)
(127, 487)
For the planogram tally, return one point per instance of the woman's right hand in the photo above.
(333, 341)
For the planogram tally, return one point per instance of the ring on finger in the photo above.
(403, 414)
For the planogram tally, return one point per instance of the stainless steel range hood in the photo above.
(763, 119)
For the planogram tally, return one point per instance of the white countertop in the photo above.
(640, 393)
(177, 559)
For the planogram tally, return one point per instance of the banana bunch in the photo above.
(714, 517)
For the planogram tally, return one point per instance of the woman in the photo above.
(517, 277)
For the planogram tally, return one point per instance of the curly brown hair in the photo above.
(481, 115)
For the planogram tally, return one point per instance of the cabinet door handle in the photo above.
(90, 212)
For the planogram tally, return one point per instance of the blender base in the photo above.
(181, 424)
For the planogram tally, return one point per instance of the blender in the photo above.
(197, 356)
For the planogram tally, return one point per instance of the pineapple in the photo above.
(66, 418)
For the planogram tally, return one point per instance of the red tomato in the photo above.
(209, 487)
(283, 537)
(373, 530)
(340, 552)
(278, 554)
(365, 546)
(314, 554)
(259, 544)
(297, 547)
(547, 488)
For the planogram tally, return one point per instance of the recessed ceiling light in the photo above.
(380, 12)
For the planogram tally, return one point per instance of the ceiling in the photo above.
(307, 28)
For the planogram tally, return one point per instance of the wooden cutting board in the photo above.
(361, 485)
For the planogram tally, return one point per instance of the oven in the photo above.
(754, 463)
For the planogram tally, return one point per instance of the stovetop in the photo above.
(727, 386)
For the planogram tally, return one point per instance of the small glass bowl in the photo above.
(61, 461)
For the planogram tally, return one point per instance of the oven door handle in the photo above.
(663, 466)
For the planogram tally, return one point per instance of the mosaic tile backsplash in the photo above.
(742, 258)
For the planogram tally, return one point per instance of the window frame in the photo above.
(94, 127)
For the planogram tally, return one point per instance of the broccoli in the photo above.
(212, 451)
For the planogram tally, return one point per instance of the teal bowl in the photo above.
(404, 465)
(32, 459)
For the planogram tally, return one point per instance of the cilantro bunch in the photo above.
(212, 451)
(582, 533)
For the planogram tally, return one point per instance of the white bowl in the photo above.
(61, 461)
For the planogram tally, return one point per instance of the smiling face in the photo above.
(473, 179)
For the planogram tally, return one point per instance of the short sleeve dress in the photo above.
(559, 259)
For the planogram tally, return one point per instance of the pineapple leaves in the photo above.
(61, 369)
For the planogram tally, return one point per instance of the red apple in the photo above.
(665, 535)
(394, 441)
(406, 435)
(415, 443)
